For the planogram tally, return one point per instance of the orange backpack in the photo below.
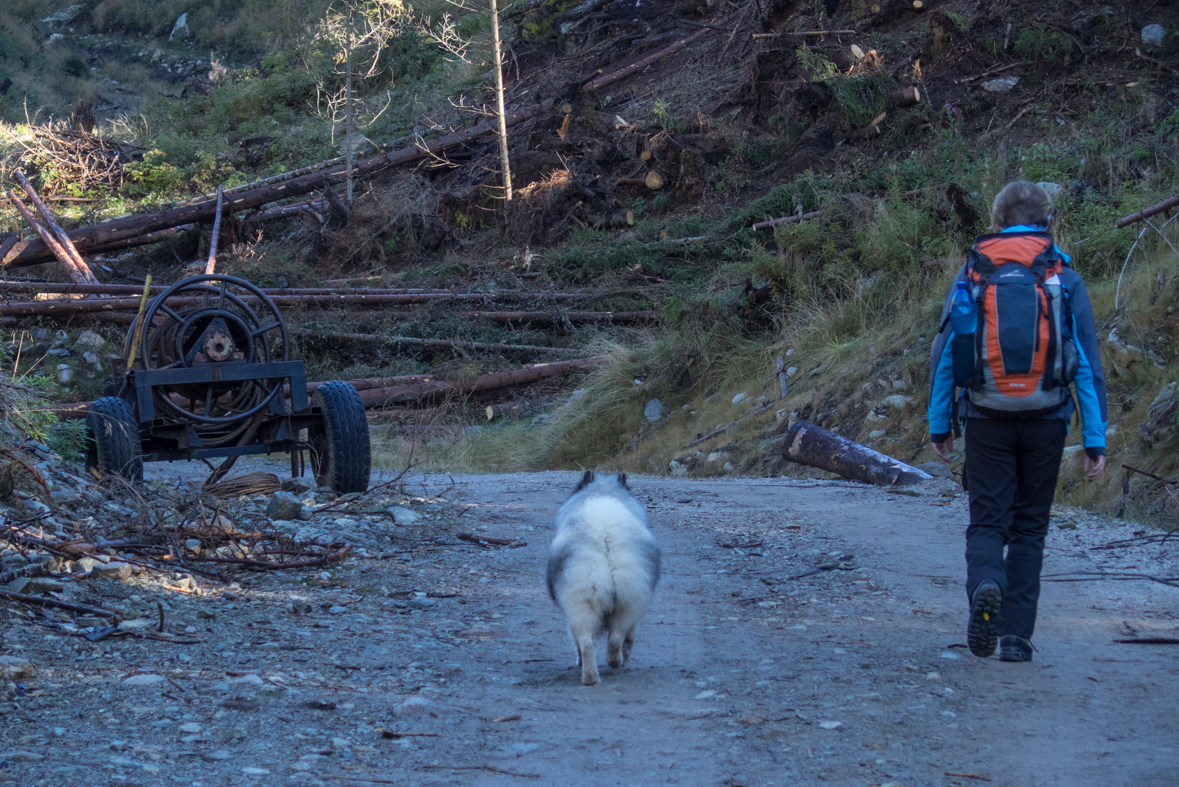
(1025, 354)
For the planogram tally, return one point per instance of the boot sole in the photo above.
(981, 634)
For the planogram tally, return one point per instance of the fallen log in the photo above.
(139, 240)
(82, 305)
(815, 446)
(402, 394)
(453, 343)
(558, 317)
(652, 180)
(9, 240)
(762, 225)
(634, 68)
(868, 132)
(1146, 213)
(286, 211)
(33, 252)
(617, 218)
(377, 391)
(64, 288)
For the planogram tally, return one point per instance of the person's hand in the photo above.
(1093, 467)
(943, 451)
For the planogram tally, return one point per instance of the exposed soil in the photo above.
(751, 669)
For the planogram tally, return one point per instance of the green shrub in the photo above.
(860, 98)
(661, 115)
(75, 66)
(1043, 48)
(153, 176)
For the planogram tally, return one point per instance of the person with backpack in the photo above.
(1017, 329)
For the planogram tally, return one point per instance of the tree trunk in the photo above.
(402, 394)
(499, 103)
(815, 446)
(379, 391)
(211, 264)
(350, 153)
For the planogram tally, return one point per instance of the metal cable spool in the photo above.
(211, 320)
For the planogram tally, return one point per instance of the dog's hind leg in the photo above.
(622, 637)
(628, 644)
(583, 636)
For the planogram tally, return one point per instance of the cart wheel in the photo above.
(112, 440)
(340, 455)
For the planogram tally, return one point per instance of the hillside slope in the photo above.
(767, 111)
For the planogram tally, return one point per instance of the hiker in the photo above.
(1016, 330)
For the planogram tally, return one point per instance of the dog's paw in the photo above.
(590, 678)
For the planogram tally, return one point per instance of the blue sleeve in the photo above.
(941, 368)
(1090, 380)
(941, 391)
(1093, 422)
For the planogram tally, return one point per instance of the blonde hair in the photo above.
(1021, 202)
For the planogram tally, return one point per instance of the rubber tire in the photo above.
(340, 454)
(112, 440)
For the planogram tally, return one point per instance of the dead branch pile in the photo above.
(71, 160)
(210, 539)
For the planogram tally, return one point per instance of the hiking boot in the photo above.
(1012, 648)
(981, 633)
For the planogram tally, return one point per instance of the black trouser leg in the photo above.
(1012, 466)
(1041, 447)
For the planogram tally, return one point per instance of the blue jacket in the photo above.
(1089, 382)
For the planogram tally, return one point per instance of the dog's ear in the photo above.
(622, 480)
(586, 480)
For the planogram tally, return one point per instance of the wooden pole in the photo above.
(499, 103)
(58, 232)
(1167, 204)
(815, 446)
(137, 334)
(211, 265)
(49, 241)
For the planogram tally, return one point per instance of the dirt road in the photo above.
(804, 633)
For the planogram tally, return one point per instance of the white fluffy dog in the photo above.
(603, 568)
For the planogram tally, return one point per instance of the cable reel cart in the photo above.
(209, 374)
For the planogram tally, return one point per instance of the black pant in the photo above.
(1011, 469)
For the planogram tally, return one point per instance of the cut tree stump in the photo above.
(906, 96)
(652, 180)
(868, 132)
(815, 446)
